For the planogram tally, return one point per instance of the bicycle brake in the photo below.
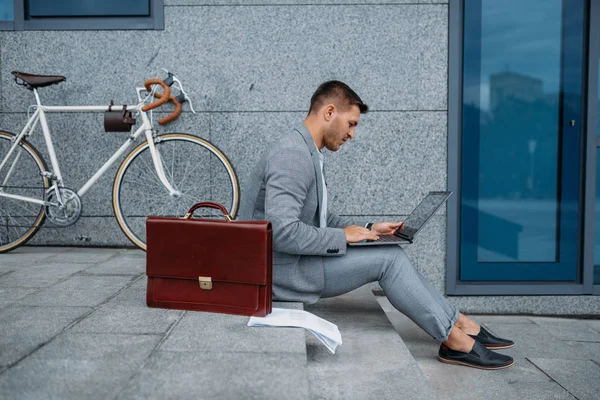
(182, 97)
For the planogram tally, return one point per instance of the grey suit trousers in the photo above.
(407, 290)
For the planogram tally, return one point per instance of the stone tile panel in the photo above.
(211, 332)
(39, 275)
(580, 377)
(220, 375)
(79, 290)
(77, 366)
(23, 329)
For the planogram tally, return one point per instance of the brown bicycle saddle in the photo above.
(37, 81)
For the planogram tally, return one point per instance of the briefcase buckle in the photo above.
(205, 282)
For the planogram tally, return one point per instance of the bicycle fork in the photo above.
(158, 166)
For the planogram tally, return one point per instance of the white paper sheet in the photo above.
(324, 330)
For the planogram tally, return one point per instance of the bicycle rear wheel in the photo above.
(193, 166)
(21, 175)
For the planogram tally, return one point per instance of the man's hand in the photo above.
(386, 228)
(355, 233)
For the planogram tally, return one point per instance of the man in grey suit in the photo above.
(310, 257)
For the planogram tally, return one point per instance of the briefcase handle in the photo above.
(208, 204)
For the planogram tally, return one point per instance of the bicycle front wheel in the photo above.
(22, 175)
(193, 166)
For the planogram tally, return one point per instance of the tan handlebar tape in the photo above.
(173, 116)
(162, 99)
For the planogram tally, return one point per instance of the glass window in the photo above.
(522, 73)
(7, 11)
(597, 223)
(81, 14)
(88, 8)
(597, 205)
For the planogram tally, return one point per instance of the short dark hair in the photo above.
(336, 90)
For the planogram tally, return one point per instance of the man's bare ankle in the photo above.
(467, 326)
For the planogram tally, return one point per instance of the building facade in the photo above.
(496, 101)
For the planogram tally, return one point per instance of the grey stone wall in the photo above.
(251, 67)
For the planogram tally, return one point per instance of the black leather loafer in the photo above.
(479, 357)
(490, 341)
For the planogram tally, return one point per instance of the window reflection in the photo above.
(512, 127)
(597, 222)
(7, 10)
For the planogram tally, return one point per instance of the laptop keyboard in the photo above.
(387, 238)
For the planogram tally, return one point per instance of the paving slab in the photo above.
(84, 255)
(568, 329)
(540, 391)
(140, 284)
(5, 270)
(78, 366)
(28, 255)
(533, 340)
(79, 291)
(591, 349)
(580, 377)
(23, 329)
(129, 297)
(129, 262)
(9, 295)
(207, 332)
(372, 363)
(369, 365)
(460, 383)
(128, 319)
(127, 313)
(593, 323)
(39, 275)
(213, 375)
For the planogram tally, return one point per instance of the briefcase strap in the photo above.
(208, 204)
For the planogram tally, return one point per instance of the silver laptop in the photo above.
(413, 223)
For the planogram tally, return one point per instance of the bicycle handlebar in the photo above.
(162, 99)
(173, 116)
(166, 96)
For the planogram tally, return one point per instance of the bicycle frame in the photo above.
(56, 177)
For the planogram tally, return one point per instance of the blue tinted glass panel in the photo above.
(522, 66)
(88, 8)
(7, 11)
(597, 223)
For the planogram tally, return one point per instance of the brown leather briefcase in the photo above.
(211, 265)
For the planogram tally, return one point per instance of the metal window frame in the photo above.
(454, 286)
(154, 22)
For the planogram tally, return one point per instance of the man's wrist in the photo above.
(369, 225)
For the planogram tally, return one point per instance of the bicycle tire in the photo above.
(192, 165)
(26, 179)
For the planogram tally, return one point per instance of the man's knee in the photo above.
(395, 260)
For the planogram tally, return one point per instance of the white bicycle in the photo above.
(164, 175)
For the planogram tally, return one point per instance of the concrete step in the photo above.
(372, 363)
(524, 380)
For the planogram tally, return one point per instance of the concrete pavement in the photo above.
(74, 325)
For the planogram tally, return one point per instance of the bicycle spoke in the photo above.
(149, 166)
(188, 166)
(18, 217)
(188, 173)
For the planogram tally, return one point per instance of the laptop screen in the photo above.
(425, 209)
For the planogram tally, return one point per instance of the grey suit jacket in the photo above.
(286, 189)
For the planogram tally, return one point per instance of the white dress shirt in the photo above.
(323, 210)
